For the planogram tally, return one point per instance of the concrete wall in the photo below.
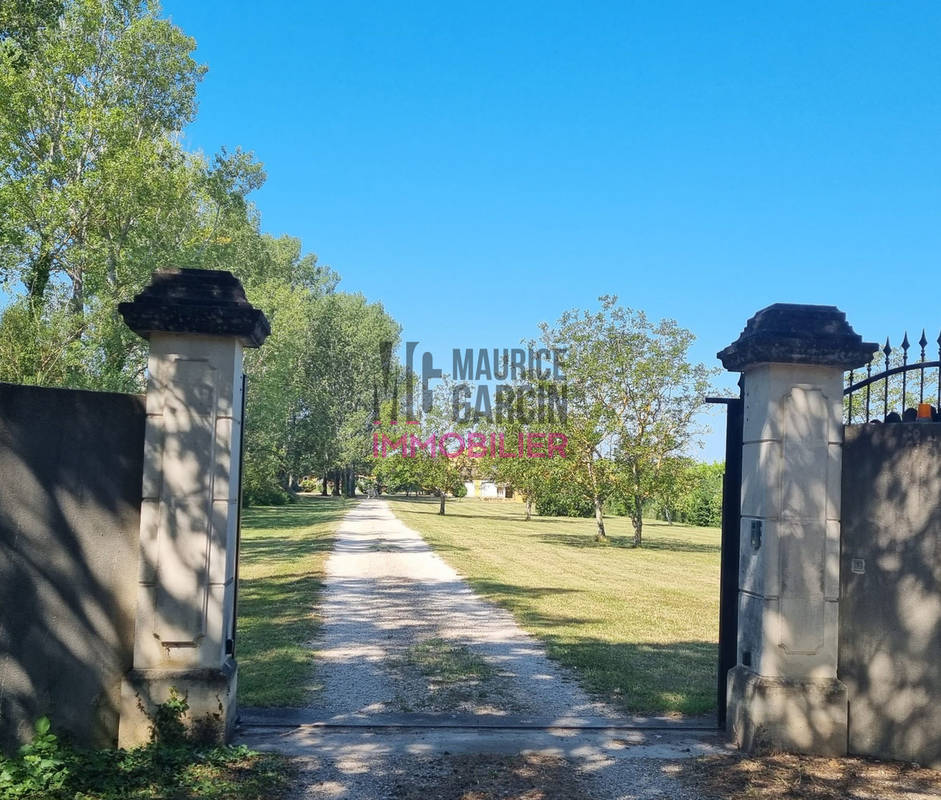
(890, 609)
(70, 492)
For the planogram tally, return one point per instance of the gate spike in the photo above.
(923, 341)
(905, 344)
(885, 381)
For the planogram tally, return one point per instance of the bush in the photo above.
(310, 484)
(266, 496)
(172, 766)
(459, 489)
(568, 505)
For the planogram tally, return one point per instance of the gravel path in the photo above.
(386, 593)
(404, 637)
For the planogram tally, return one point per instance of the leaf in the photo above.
(42, 726)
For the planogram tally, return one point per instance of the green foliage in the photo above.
(633, 396)
(427, 468)
(283, 556)
(632, 632)
(169, 726)
(49, 769)
(42, 768)
(96, 192)
(558, 496)
(567, 504)
(261, 487)
(311, 484)
(693, 493)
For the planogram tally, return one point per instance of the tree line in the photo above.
(632, 402)
(96, 192)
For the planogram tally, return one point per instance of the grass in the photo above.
(639, 626)
(447, 664)
(446, 676)
(283, 553)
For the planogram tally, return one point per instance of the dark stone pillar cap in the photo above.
(205, 301)
(791, 333)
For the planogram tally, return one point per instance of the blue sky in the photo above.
(481, 167)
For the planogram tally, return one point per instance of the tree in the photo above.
(537, 479)
(96, 193)
(89, 106)
(437, 470)
(690, 492)
(632, 400)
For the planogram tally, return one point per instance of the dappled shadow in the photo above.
(455, 508)
(70, 494)
(296, 515)
(643, 677)
(282, 548)
(890, 607)
(373, 609)
(276, 613)
(650, 543)
(516, 590)
(772, 776)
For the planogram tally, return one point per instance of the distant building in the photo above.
(489, 490)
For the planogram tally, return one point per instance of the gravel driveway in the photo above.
(386, 593)
(418, 668)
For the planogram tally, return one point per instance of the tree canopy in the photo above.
(96, 192)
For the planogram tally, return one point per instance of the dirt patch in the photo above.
(792, 777)
(493, 777)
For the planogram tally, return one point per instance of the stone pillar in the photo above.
(197, 322)
(784, 690)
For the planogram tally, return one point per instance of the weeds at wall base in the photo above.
(173, 765)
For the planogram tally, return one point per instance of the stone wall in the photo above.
(70, 493)
(890, 608)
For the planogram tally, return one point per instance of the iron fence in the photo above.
(891, 385)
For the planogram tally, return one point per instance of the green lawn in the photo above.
(281, 569)
(638, 625)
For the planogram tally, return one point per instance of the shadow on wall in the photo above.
(890, 611)
(70, 493)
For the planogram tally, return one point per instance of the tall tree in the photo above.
(633, 397)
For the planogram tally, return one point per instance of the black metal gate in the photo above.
(233, 626)
(731, 523)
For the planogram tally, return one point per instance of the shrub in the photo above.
(172, 766)
(310, 484)
(561, 500)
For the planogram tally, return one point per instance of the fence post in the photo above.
(197, 322)
(784, 690)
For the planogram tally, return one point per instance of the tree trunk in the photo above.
(336, 483)
(529, 508)
(441, 506)
(638, 521)
(600, 536)
(323, 490)
(77, 301)
(37, 278)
